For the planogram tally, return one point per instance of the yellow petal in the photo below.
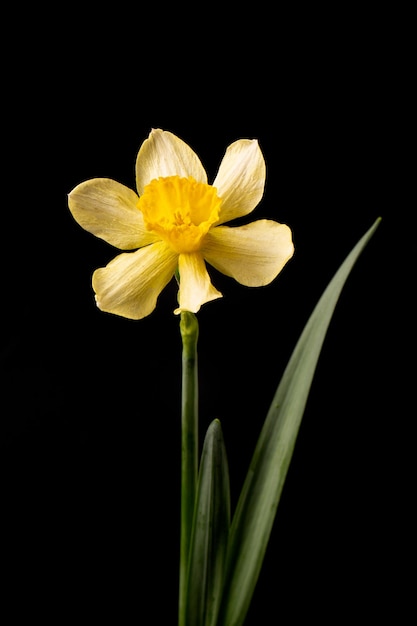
(240, 180)
(130, 284)
(253, 254)
(109, 210)
(164, 154)
(195, 284)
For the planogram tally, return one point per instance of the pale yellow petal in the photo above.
(165, 154)
(109, 210)
(240, 180)
(195, 284)
(253, 254)
(130, 284)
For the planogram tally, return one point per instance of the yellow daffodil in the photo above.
(175, 222)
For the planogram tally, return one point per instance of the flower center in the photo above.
(180, 210)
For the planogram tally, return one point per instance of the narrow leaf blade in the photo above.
(210, 532)
(258, 501)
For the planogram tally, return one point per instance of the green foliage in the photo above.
(258, 501)
(210, 532)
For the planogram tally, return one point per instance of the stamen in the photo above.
(180, 210)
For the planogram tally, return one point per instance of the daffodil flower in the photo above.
(175, 223)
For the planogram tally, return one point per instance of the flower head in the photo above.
(175, 222)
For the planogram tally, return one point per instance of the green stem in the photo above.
(189, 444)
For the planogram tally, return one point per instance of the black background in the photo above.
(90, 422)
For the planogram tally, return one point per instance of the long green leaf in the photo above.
(258, 501)
(210, 532)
